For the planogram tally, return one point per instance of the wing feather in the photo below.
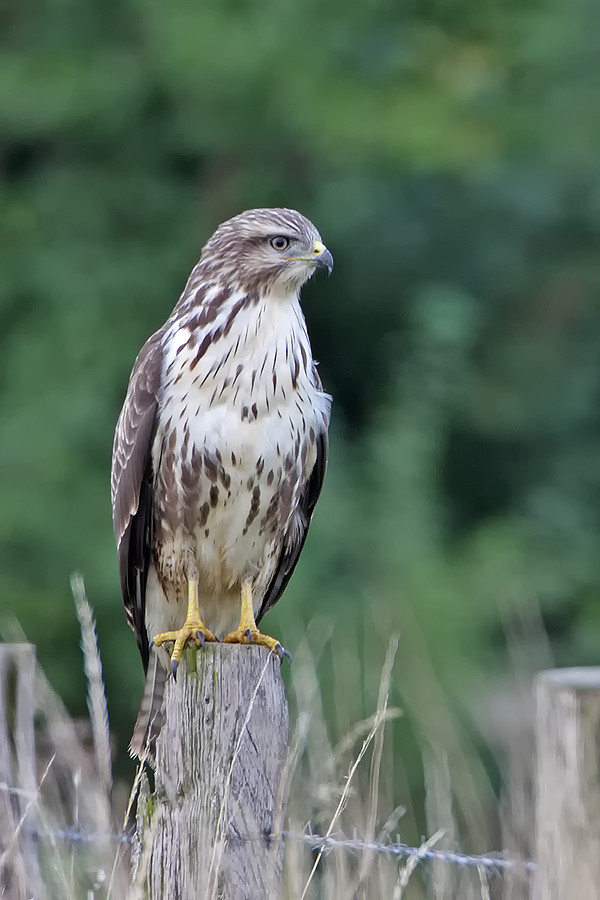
(293, 542)
(132, 485)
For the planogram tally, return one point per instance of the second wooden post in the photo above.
(568, 785)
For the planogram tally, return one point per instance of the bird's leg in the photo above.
(247, 631)
(193, 629)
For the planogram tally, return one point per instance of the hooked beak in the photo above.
(319, 254)
(322, 257)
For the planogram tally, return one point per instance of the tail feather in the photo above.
(151, 716)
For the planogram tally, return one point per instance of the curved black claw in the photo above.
(282, 653)
(174, 667)
(200, 637)
(248, 635)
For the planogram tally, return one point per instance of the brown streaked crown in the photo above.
(239, 250)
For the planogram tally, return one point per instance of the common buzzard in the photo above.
(220, 449)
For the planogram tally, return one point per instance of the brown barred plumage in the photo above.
(221, 446)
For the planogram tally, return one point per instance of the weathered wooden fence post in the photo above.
(568, 785)
(207, 829)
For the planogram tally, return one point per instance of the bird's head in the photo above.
(268, 249)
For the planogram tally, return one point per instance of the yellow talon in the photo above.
(247, 632)
(193, 629)
(253, 636)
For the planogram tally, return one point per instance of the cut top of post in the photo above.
(576, 678)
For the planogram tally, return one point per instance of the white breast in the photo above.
(247, 408)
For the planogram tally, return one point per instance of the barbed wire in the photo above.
(498, 861)
(75, 836)
(493, 862)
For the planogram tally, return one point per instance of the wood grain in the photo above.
(568, 785)
(206, 829)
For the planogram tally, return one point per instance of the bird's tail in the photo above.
(150, 717)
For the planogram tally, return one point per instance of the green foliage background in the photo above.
(449, 156)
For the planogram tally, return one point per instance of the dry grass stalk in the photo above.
(483, 881)
(411, 864)
(383, 696)
(14, 840)
(380, 718)
(96, 698)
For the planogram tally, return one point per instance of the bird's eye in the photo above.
(280, 242)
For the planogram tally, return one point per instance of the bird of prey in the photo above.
(220, 449)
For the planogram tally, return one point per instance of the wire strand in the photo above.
(495, 861)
